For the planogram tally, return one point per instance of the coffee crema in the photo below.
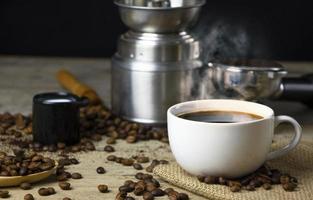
(219, 116)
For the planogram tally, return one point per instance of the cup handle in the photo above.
(293, 143)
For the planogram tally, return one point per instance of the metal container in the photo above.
(151, 72)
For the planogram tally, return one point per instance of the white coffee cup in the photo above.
(225, 149)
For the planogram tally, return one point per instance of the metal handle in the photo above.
(295, 140)
(298, 89)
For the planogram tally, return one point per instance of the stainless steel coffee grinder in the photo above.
(155, 63)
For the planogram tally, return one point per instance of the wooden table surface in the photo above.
(22, 77)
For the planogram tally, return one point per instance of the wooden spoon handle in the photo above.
(70, 82)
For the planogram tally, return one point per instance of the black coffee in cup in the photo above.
(215, 116)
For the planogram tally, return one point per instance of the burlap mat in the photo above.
(298, 163)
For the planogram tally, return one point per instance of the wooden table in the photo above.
(22, 77)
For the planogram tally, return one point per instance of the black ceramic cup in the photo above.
(56, 118)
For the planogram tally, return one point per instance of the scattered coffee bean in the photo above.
(44, 192)
(150, 168)
(284, 179)
(137, 166)
(127, 162)
(67, 198)
(111, 140)
(103, 188)
(158, 192)
(222, 181)
(168, 190)
(76, 176)
(210, 180)
(125, 188)
(142, 159)
(74, 161)
(249, 187)
(235, 188)
(4, 194)
(26, 186)
(129, 198)
(131, 139)
(109, 148)
(100, 170)
(289, 186)
(121, 196)
(148, 196)
(29, 197)
(164, 162)
(267, 186)
(51, 190)
(183, 196)
(111, 158)
(65, 185)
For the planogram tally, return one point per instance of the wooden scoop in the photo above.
(70, 82)
(6, 181)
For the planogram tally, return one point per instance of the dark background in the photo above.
(243, 28)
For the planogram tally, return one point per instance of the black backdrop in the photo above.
(241, 28)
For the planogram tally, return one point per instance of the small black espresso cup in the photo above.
(56, 118)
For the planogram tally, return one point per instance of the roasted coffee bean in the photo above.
(128, 182)
(142, 159)
(139, 190)
(148, 196)
(139, 176)
(67, 198)
(109, 148)
(210, 180)
(150, 187)
(125, 188)
(29, 197)
(100, 170)
(111, 140)
(173, 195)
(26, 186)
(51, 190)
(249, 188)
(118, 159)
(76, 176)
(111, 158)
(129, 198)
(168, 190)
(222, 181)
(43, 192)
(255, 183)
(183, 196)
(293, 180)
(267, 186)
(289, 186)
(155, 162)
(4, 194)
(62, 177)
(137, 166)
(74, 161)
(121, 196)
(52, 148)
(158, 192)
(235, 188)
(65, 185)
(131, 139)
(103, 188)
(164, 162)
(150, 168)
(127, 162)
(284, 179)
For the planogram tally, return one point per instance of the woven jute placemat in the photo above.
(298, 163)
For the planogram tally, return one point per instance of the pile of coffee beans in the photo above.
(147, 187)
(95, 122)
(22, 164)
(263, 177)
